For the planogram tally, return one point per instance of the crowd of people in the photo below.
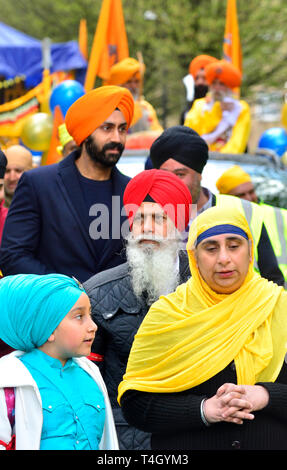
(142, 313)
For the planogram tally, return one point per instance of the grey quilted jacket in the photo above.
(118, 313)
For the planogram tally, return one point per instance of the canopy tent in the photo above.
(21, 54)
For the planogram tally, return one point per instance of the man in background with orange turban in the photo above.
(195, 81)
(220, 118)
(129, 73)
(53, 224)
(158, 205)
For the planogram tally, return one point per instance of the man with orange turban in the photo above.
(220, 118)
(195, 81)
(53, 223)
(128, 73)
(158, 205)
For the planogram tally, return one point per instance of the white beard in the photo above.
(153, 267)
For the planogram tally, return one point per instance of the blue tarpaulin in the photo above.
(21, 54)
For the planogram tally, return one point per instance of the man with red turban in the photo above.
(50, 224)
(158, 205)
(221, 119)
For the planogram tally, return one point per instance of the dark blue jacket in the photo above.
(47, 227)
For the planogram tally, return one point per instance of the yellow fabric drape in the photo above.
(189, 336)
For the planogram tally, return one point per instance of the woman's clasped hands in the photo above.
(235, 403)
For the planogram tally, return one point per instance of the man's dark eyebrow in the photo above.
(108, 123)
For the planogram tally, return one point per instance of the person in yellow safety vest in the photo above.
(183, 152)
(236, 182)
(129, 73)
(221, 119)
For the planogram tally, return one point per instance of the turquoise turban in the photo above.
(32, 306)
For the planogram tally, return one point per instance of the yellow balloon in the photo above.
(37, 131)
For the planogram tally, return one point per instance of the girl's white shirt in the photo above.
(28, 404)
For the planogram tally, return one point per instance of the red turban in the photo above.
(91, 110)
(200, 62)
(225, 72)
(164, 188)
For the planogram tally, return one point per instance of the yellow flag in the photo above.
(231, 44)
(83, 38)
(110, 44)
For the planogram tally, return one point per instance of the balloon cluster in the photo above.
(37, 129)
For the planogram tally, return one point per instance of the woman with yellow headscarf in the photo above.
(206, 370)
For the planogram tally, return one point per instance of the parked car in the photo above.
(266, 169)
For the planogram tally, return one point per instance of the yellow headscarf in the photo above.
(232, 178)
(192, 334)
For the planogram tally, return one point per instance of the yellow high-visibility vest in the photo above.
(275, 221)
(253, 214)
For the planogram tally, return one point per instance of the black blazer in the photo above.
(47, 226)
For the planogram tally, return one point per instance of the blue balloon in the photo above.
(274, 139)
(65, 94)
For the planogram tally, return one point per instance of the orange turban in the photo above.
(90, 111)
(200, 62)
(122, 71)
(225, 72)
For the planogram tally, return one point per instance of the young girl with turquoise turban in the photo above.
(206, 370)
(61, 401)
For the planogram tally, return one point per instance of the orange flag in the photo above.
(110, 44)
(83, 38)
(52, 155)
(231, 44)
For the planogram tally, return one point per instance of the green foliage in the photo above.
(169, 33)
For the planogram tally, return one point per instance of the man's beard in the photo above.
(135, 94)
(200, 91)
(103, 156)
(219, 95)
(153, 267)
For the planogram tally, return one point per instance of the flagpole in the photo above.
(46, 62)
